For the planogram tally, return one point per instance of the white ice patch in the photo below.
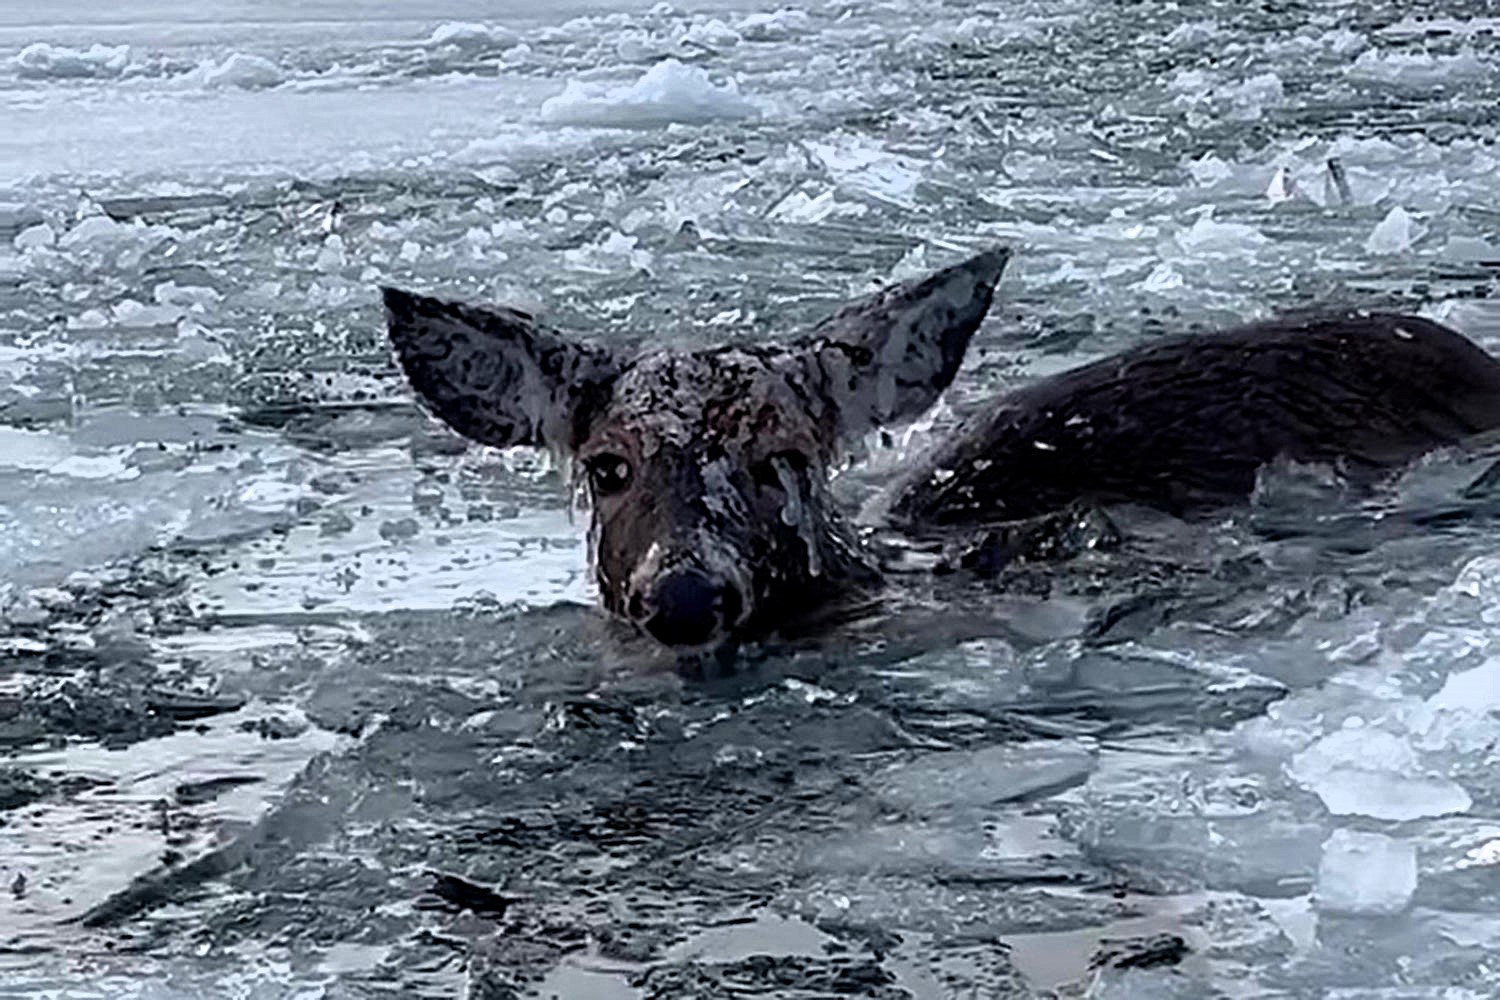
(35, 237)
(1418, 69)
(1209, 236)
(774, 26)
(1396, 233)
(1461, 717)
(469, 35)
(863, 166)
(1461, 248)
(100, 233)
(41, 61)
(1366, 874)
(237, 70)
(1364, 771)
(670, 92)
(1242, 100)
(1163, 278)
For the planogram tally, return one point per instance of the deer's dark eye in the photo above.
(608, 474)
(776, 469)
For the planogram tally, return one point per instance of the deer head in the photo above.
(705, 473)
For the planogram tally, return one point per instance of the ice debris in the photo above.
(35, 237)
(1364, 771)
(1244, 100)
(469, 35)
(669, 92)
(1366, 874)
(238, 69)
(41, 61)
(774, 26)
(1207, 235)
(1417, 69)
(1395, 233)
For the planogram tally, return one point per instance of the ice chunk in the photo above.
(103, 234)
(332, 256)
(1364, 771)
(1191, 34)
(241, 70)
(35, 237)
(469, 35)
(132, 312)
(40, 61)
(1417, 69)
(1209, 170)
(1243, 100)
(668, 92)
(983, 778)
(1163, 278)
(775, 26)
(1209, 236)
(18, 215)
(799, 206)
(712, 34)
(1470, 248)
(1395, 233)
(1282, 187)
(1460, 718)
(1479, 582)
(1250, 96)
(194, 297)
(864, 166)
(1366, 874)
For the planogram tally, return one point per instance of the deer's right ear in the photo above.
(494, 375)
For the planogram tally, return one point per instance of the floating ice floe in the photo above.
(1207, 235)
(774, 26)
(35, 237)
(711, 33)
(1191, 34)
(1163, 278)
(1396, 233)
(238, 69)
(41, 61)
(1366, 874)
(1243, 100)
(18, 215)
(1365, 771)
(469, 35)
(1461, 717)
(669, 92)
(1418, 69)
(101, 233)
(864, 166)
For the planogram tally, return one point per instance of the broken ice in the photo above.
(1366, 874)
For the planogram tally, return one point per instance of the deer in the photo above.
(706, 473)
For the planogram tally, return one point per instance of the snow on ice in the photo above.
(41, 61)
(670, 92)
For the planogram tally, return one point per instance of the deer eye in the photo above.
(779, 469)
(608, 474)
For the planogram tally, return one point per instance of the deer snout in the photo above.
(689, 606)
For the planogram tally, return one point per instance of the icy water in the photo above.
(300, 696)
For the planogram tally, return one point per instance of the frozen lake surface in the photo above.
(300, 696)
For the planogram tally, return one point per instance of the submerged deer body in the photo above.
(706, 472)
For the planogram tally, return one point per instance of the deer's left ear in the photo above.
(887, 358)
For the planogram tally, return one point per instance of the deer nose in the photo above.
(688, 607)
